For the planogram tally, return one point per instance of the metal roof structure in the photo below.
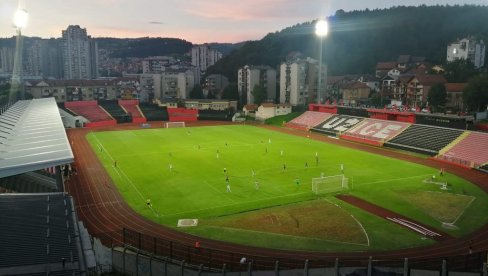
(32, 137)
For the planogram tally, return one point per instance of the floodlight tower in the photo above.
(321, 30)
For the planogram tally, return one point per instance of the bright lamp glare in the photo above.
(20, 18)
(321, 28)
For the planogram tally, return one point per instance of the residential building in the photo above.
(455, 95)
(80, 54)
(160, 64)
(269, 110)
(202, 57)
(210, 104)
(214, 85)
(372, 82)
(299, 81)
(6, 60)
(467, 49)
(73, 90)
(382, 68)
(249, 76)
(175, 84)
(355, 92)
(418, 88)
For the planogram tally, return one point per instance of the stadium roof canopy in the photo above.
(32, 137)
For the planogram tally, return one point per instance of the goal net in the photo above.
(329, 184)
(174, 124)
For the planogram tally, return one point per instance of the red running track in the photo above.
(103, 210)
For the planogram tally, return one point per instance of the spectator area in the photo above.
(153, 112)
(115, 111)
(38, 229)
(337, 124)
(182, 114)
(374, 132)
(472, 151)
(132, 107)
(308, 119)
(424, 139)
(89, 109)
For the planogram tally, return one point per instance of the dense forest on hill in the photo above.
(357, 40)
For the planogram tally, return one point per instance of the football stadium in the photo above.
(329, 189)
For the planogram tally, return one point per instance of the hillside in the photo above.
(358, 40)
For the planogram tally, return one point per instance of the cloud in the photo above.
(255, 9)
(156, 22)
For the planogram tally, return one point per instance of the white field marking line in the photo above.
(101, 145)
(413, 226)
(284, 235)
(121, 171)
(220, 192)
(137, 190)
(419, 226)
(393, 179)
(364, 230)
(357, 221)
(234, 204)
(464, 210)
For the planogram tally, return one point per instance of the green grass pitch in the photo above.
(184, 171)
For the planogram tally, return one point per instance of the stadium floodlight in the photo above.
(21, 17)
(321, 30)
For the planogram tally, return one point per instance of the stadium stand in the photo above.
(308, 119)
(115, 111)
(33, 137)
(61, 106)
(89, 110)
(217, 115)
(352, 111)
(31, 182)
(424, 139)
(42, 235)
(472, 151)
(132, 108)
(182, 114)
(374, 132)
(153, 112)
(337, 124)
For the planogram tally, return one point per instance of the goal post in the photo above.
(329, 184)
(174, 124)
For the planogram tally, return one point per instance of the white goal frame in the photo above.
(174, 124)
(329, 184)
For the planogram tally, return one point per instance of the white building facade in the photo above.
(80, 54)
(202, 57)
(467, 49)
(299, 81)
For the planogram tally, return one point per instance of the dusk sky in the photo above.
(197, 21)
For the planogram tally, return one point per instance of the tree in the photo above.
(475, 94)
(259, 93)
(459, 70)
(196, 92)
(437, 96)
(230, 92)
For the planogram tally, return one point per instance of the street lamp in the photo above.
(20, 21)
(321, 30)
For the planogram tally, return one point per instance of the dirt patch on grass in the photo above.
(318, 219)
(444, 207)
